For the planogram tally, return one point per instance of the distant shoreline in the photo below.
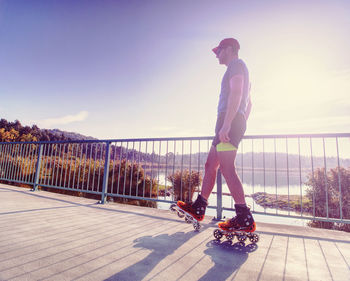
(282, 202)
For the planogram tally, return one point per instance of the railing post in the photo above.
(38, 167)
(106, 172)
(219, 195)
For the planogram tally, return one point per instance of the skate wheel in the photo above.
(188, 219)
(217, 234)
(180, 213)
(254, 238)
(241, 237)
(196, 226)
(230, 236)
(173, 207)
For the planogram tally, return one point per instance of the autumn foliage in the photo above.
(330, 189)
(185, 184)
(80, 175)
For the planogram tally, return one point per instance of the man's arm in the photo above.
(249, 108)
(234, 100)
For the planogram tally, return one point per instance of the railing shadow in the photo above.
(87, 205)
(307, 237)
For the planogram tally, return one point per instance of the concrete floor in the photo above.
(47, 236)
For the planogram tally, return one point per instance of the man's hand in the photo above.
(223, 134)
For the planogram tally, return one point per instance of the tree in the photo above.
(185, 184)
(325, 190)
(28, 137)
(4, 124)
(2, 134)
(170, 156)
(16, 125)
(9, 136)
(25, 130)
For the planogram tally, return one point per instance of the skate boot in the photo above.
(193, 212)
(242, 226)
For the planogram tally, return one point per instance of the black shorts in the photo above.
(236, 133)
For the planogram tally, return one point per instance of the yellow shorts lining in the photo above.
(225, 146)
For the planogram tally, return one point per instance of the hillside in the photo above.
(70, 135)
(14, 131)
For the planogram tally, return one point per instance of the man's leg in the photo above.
(211, 167)
(228, 169)
(198, 207)
(244, 219)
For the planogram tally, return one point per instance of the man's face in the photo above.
(221, 55)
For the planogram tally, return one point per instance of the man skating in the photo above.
(233, 111)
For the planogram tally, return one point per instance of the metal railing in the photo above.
(298, 176)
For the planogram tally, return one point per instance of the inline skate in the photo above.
(192, 212)
(242, 226)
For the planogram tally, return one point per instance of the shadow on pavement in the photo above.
(161, 245)
(227, 257)
(96, 206)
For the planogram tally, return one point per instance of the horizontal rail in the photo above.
(280, 136)
(272, 136)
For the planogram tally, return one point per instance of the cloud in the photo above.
(51, 122)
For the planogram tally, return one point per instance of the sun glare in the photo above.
(298, 93)
(298, 82)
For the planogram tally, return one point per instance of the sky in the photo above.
(144, 68)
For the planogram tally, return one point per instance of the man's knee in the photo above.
(211, 166)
